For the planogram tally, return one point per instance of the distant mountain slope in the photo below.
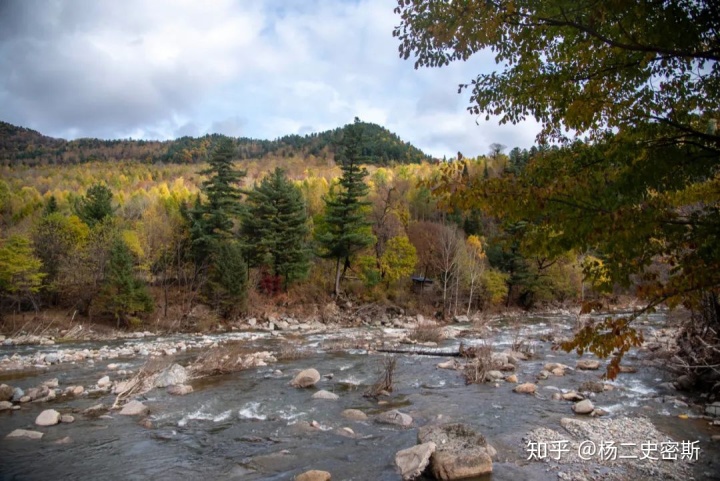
(19, 145)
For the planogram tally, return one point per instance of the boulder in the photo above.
(394, 417)
(583, 407)
(354, 415)
(6, 392)
(49, 417)
(18, 394)
(179, 389)
(592, 386)
(330, 396)
(175, 374)
(511, 378)
(494, 375)
(461, 319)
(67, 419)
(460, 452)
(451, 364)
(525, 388)
(52, 358)
(313, 475)
(306, 378)
(5, 405)
(51, 383)
(24, 433)
(572, 396)
(134, 408)
(588, 365)
(103, 382)
(412, 461)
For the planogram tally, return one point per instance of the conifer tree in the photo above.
(95, 205)
(345, 230)
(275, 228)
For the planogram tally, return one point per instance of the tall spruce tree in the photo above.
(345, 229)
(275, 228)
(95, 205)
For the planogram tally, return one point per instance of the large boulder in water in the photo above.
(394, 417)
(49, 417)
(175, 374)
(412, 461)
(460, 453)
(306, 378)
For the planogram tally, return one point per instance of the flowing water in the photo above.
(252, 425)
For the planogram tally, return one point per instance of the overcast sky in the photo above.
(165, 68)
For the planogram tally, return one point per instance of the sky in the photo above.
(162, 69)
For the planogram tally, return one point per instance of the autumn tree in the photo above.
(637, 82)
(20, 271)
(275, 228)
(345, 230)
(399, 259)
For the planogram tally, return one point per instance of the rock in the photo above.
(394, 417)
(461, 319)
(713, 409)
(460, 452)
(494, 375)
(179, 389)
(25, 399)
(326, 395)
(17, 395)
(103, 382)
(588, 365)
(572, 396)
(628, 369)
(49, 417)
(112, 367)
(313, 475)
(51, 383)
(67, 419)
(556, 396)
(592, 386)
(354, 414)
(685, 382)
(134, 408)
(75, 390)
(511, 378)
(52, 358)
(543, 375)
(5, 405)
(24, 433)
(598, 412)
(6, 392)
(451, 364)
(123, 386)
(583, 407)
(175, 374)
(95, 411)
(715, 437)
(558, 371)
(412, 461)
(306, 378)
(525, 388)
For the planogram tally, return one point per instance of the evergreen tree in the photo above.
(227, 280)
(275, 228)
(122, 293)
(345, 230)
(95, 205)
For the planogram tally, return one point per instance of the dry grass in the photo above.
(289, 352)
(143, 381)
(386, 371)
(479, 362)
(426, 332)
(229, 357)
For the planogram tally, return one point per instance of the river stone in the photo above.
(451, 364)
(95, 411)
(175, 374)
(67, 419)
(17, 395)
(460, 453)
(52, 358)
(49, 417)
(354, 415)
(713, 409)
(306, 378)
(511, 378)
(6, 392)
(592, 386)
(51, 383)
(330, 396)
(394, 417)
(24, 433)
(494, 375)
(583, 407)
(588, 365)
(525, 388)
(5, 405)
(103, 382)
(412, 461)
(572, 396)
(313, 475)
(134, 408)
(179, 389)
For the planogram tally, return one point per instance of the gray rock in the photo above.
(51, 383)
(6, 392)
(52, 358)
(713, 409)
(104, 382)
(306, 378)
(175, 374)
(5, 405)
(95, 411)
(583, 407)
(67, 419)
(412, 461)
(461, 319)
(179, 389)
(24, 433)
(394, 417)
(354, 415)
(17, 395)
(134, 408)
(460, 453)
(330, 396)
(49, 417)
(588, 365)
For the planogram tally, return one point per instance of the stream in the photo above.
(252, 425)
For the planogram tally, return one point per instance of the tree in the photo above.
(275, 228)
(123, 294)
(639, 82)
(398, 260)
(473, 265)
(345, 230)
(54, 239)
(227, 279)
(20, 270)
(95, 205)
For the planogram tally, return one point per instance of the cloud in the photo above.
(93, 68)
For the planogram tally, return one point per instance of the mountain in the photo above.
(19, 145)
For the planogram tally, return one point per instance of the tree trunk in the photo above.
(336, 292)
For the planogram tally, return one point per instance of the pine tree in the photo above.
(227, 280)
(345, 230)
(95, 205)
(122, 293)
(275, 228)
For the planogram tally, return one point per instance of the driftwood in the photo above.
(467, 352)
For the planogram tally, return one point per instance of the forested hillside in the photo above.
(19, 145)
